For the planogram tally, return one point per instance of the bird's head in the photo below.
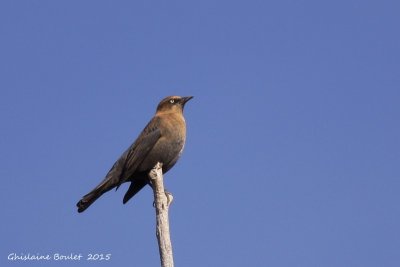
(173, 104)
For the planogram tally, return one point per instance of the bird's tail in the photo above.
(93, 195)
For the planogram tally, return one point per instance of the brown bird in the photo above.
(162, 140)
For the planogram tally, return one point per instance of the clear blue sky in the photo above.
(293, 152)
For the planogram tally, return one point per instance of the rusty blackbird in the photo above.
(162, 140)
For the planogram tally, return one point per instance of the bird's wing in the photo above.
(127, 164)
(142, 146)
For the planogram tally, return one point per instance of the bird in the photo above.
(162, 140)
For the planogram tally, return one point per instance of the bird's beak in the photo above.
(186, 99)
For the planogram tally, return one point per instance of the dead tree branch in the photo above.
(162, 199)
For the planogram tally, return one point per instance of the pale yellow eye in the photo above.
(172, 101)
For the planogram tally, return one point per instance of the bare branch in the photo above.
(162, 201)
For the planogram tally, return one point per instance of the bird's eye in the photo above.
(172, 101)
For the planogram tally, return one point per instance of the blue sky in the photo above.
(292, 156)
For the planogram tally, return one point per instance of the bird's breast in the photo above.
(170, 145)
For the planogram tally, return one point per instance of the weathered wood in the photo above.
(161, 203)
